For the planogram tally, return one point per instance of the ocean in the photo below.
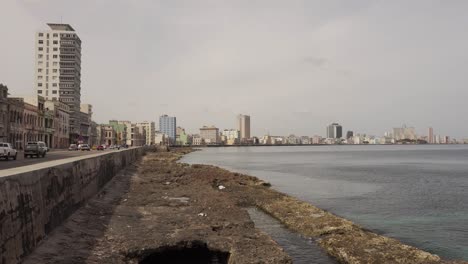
(417, 194)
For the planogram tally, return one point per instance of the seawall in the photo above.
(36, 199)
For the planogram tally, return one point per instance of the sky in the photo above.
(293, 66)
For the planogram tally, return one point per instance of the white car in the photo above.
(7, 151)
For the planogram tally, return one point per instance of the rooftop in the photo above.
(64, 27)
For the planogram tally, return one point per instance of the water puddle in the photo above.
(301, 249)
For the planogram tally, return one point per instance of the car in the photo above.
(101, 147)
(35, 148)
(73, 147)
(84, 147)
(7, 151)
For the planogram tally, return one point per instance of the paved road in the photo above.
(51, 155)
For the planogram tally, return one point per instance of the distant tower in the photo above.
(349, 134)
(244, 126)
(430, 136)
(334, 130)
(58, 69)
(168, 126)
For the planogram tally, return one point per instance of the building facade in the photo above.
(4, 115)
(244, 126)
(58, 70)
(61, 119)
(335, 131)
(230, 136)
(210, 135)
(168, 125)
(430, 136)
(150, 130)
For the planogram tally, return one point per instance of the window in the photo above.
(41, 48)
(39, 84)
(54, 98)
(55, 49)
(54, 77)
(41, 41)
(54, 85)
(39, 70)
(54, 56)
(39, 91)
(41, 34)
(55, 42)
(40, 56)
(54, 70)
(55, 35)
(54, 91)
(39, 62)
(55, 63)
(39, 77)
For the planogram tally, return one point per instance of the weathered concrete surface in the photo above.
(34, 202)
(158, 205)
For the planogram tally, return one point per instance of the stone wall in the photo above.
(33, 203)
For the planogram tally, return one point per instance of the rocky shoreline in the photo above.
(160, 208)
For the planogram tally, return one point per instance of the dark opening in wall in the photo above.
(192, 252)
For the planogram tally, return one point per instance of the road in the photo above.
(51, 155)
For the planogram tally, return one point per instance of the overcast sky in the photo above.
(294, 66)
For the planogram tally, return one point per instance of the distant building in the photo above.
(230, 136)
(430, 136)
(210, 135)
(150, 129)
(404, 132)
(349, 134)
(334, 131)
(197, 140)
(316, 140)
(167, 125)
(244, 126)
(293, 140)
(160, 138)
(305, 140)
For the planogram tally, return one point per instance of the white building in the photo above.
(231, 136)
(160, 138)
(197, 140)
(150, 130)
(58, 69)
(401, 133)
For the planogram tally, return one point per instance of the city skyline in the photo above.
(304, 71)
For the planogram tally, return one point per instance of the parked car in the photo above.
(101, 147)
(7, 151)
(73, 147)
(35, 148)
(84, 147)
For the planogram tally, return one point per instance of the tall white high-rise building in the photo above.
(58, 69)
(244, 126)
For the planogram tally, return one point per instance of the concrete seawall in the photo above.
(36, 199)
